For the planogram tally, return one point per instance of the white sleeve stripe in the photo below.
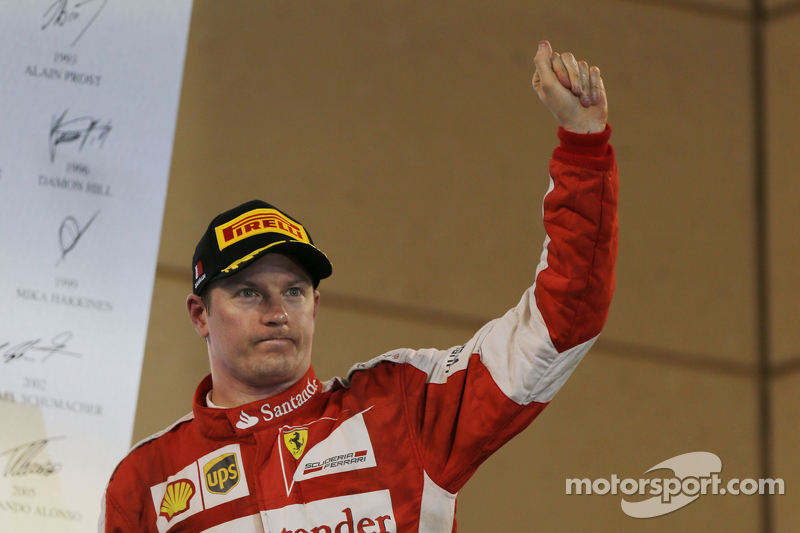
(558, 372)
(438, 508)
(521, 357)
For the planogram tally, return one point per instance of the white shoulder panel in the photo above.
(437, 364)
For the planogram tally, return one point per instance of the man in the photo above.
(270, 448)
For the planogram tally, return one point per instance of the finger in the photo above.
(544, 66)
(573, 71)
(594, 84)
(561, 71)
(602, 101)
(583, 69)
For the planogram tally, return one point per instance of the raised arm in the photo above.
(464, 403)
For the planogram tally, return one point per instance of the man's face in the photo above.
(260, 325)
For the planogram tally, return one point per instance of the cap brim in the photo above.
(309, 256)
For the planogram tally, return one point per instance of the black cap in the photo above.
(237, 238)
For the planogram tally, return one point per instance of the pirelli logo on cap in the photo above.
(256, 222)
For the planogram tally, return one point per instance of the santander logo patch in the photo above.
(246, 421)
(369, 512)
(276, 406)
(290, 404)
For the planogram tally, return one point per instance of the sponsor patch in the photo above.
(223, 478)
(348, 447)
(256, 222)
(246, 421)
(452, 358)
(278, 410)
(173, 502)
(295, 441)
(212, 480)
(176, 498)
(352, 458)
(198, 269)
(222, 474)
(367, 512)
(271, 410)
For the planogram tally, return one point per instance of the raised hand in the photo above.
(571, 90)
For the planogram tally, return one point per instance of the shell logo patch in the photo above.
(295, 441)
(197, 488)
(222, 474)
(176, 499)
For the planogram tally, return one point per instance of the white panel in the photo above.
(177, 498)
(356, 512)
(438, 508)
(224, 479)
(347, 448)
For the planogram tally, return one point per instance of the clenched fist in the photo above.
(571, 90)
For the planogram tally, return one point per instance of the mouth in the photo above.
(275, 340)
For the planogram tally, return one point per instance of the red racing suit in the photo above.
(388, 448)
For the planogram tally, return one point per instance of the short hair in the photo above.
(205, 297)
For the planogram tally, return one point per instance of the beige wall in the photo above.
(407, 138)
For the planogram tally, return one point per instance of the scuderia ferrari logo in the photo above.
(295, 441)
(345, 448)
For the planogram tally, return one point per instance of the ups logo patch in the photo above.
(222, 473)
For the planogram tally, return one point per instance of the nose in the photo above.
(275, 314)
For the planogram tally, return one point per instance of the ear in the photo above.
(316, 303)
(197, 314)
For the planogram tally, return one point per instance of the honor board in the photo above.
(89, 92)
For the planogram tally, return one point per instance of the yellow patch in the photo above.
(256, 222)
(222, 474)
(296, 441)
(176, 498)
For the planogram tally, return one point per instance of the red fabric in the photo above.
(574, 291)
(585, 150)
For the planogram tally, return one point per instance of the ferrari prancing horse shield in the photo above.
(295, 441)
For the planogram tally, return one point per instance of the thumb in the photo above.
(544, 63)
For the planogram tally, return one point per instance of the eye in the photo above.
(247, 293)
(294, 291)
